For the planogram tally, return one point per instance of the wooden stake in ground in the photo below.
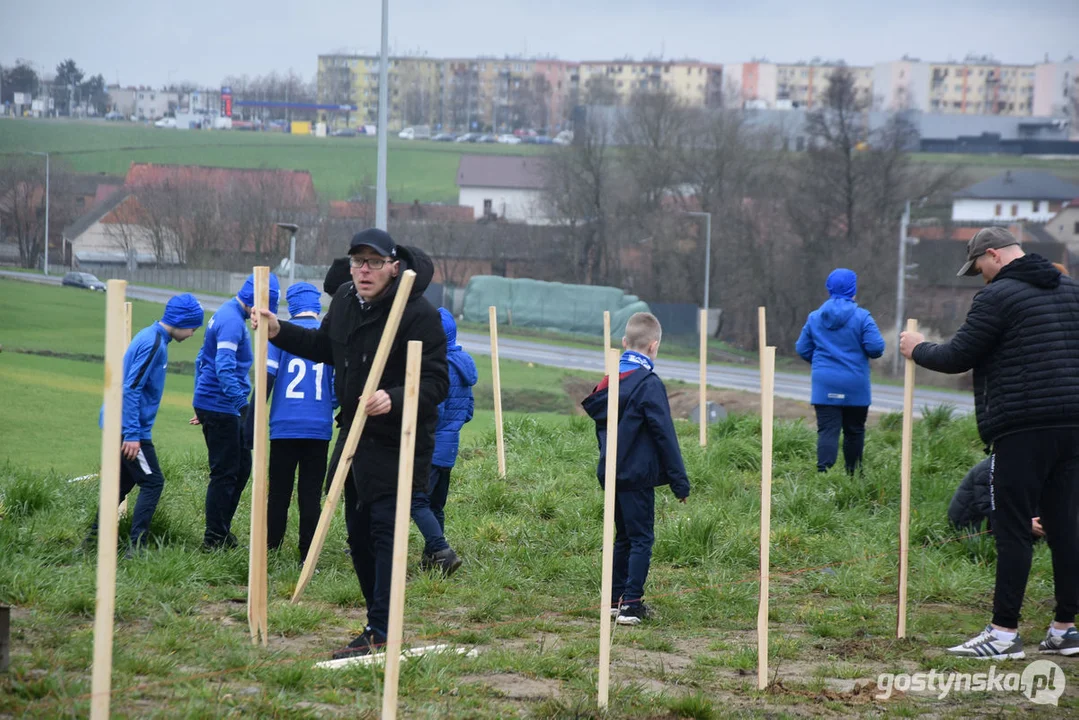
(496, 380)
(904, 493)
(768, 379)
(606, 334)
(344, 464)
(607, 567)
(122, 510)
(111, 440)
(257, 590)
(395, 628)
(762, 333)
(703, 420)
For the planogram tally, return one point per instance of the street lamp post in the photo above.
(292, 228)
(383, 118)
(32, 152)
(707, 251)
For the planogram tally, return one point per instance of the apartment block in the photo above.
(415, 91)
(615, 82)
(786, 86)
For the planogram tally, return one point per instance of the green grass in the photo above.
(416, 170)
(526, 595)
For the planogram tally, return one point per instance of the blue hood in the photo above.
(835, 313)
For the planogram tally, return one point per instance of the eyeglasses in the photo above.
(373, 263)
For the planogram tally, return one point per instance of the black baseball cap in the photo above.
(990, 238)
(378, 240)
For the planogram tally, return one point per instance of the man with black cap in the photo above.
(145, 361)
(348, 339)
(1021, 338)
(222, 384)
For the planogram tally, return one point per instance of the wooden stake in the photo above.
(606, 334)
(904, 485)
(122, 510)
(496, 380)
(762, 333)
(111, 439)
(703, 420)
(257, 590)
(607, 568)
(405, 463)
(344, 464)
(768, 380)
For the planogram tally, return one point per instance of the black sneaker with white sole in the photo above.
(986, 646)
(445, 561)
(1067, 644)
(368, 642)
(633, 614)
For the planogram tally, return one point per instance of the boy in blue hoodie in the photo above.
(222, 386)
(144, 383)
(648, 456)
(429, 504)
(301, 425)
(838, 340)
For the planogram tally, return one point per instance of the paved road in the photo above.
(794, 386)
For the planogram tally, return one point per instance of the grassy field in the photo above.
(420, 170)
(424, 171)
(523, 599)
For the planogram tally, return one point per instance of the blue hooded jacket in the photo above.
(838, 340)
(144, 381)
(457, 408)
(222, 367)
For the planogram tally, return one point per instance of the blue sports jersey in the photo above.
(224, 361)
(302, 402)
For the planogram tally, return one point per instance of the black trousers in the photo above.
(830, 420)
(285, 456)
(230, 467)
(1030, 470)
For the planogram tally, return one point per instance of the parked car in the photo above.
(83, 280)
(344, 132)
(509, 139)
(486, 139)
(467, 137)
(166, 122)
(444, 137)
(542, 140)
(114, 115)
(564, 138)
(420, 132)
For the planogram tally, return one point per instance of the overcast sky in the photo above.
(150, 42)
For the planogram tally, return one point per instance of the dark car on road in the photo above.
(83, 280)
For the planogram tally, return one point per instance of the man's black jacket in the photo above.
(348, 339)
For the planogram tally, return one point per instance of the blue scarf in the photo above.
(631, 360)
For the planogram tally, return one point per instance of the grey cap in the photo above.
(990, 238)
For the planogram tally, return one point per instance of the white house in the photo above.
(1028, 195)
(503, 186)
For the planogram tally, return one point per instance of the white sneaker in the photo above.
(987, 646)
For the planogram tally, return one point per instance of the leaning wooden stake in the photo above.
(344, 464)
(122, 510)
(496, 380)
(607, 567)
(762, 333)
(768, 380)
(405, 463)
(111, 440)
(703, 400)
(257, 591)
(606, 334)
(904, 494)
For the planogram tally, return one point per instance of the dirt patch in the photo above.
(516, 687)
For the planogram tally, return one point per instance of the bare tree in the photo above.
(600, 91)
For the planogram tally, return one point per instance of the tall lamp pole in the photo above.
(383, 118)
(707, 251)
(292, 228)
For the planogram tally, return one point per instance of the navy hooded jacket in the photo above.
(457, 408)
(648, 452)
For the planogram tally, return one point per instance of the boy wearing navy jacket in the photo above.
(144, 383)
(648, 456)
(221, 389)
(301, 425)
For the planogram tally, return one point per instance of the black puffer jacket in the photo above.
(1021, 338)
(348, 339)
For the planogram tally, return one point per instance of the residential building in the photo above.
(1064, 226)
(415, 96)
(614, 82)
(505, 187)
(122, 100)
(155, 104)
(1026, 195)
(803, 85)
(1056, 89)
(752, 85)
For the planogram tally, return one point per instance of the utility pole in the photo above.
(707, 251)
(383, 118)
(31, 152)
(900, 288)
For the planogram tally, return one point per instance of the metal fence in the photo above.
(212, 281)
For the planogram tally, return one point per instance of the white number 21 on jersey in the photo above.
(299, 367)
